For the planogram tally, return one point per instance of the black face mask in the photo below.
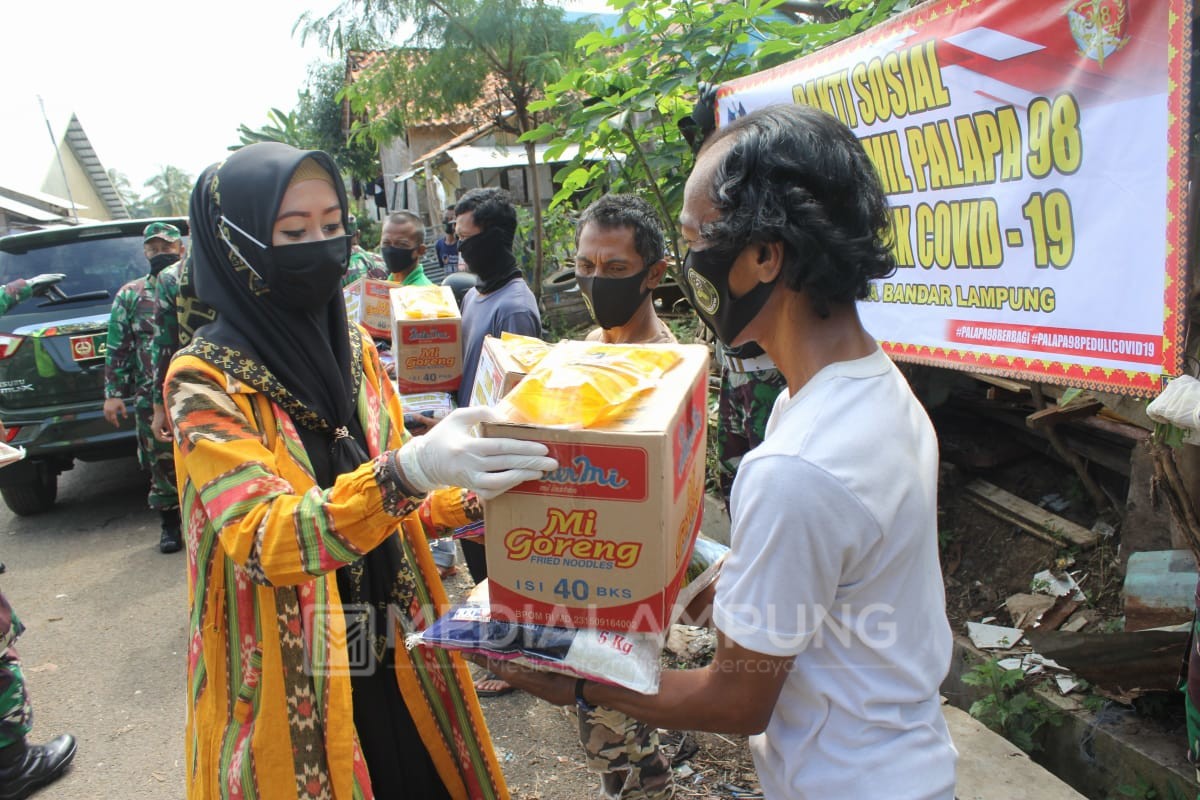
(488, 253)
(398, 259)
(448, 227)
(706, 283)
(161, 261)
(612, 301)
(305, 277)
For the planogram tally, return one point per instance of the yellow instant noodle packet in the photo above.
(525, 350)
(590, 388)
(425, 302)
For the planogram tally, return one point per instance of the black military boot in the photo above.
(171, 540)
(26, 768)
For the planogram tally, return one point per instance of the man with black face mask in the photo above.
(446, 246)
(832, 637)
(401, 245)
(486, 222)
(129, 374)
(619, 259)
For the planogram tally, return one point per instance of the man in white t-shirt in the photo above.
(832, 630)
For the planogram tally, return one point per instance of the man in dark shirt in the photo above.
(446, 246)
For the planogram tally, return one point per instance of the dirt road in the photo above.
(107, 617)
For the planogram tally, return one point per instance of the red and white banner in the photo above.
(1034, 155)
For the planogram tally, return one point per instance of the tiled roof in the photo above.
(491, 102)
(466, 137)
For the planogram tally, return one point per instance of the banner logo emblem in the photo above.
(1099, 27)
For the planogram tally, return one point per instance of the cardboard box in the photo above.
(368, 303)
(498, 372)
(605, 541)
(428, 351)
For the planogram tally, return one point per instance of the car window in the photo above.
(90, 265)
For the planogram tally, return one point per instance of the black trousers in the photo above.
(476, 556)
(399, 764)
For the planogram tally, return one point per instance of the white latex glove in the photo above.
(451, 454)
(38, 284)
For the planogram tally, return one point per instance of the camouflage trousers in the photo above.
(743, 408)
(158, 458)
(16, 715)
(627, 755)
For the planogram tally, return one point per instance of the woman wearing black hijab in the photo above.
(303, 501)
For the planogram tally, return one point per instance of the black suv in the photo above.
(52, 350)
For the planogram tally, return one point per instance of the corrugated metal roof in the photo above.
(28, 211)
(466, 137)
(54, 200)
(498, 156)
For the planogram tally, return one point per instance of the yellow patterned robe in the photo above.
(269, 700)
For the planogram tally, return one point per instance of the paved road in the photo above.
(106, 618)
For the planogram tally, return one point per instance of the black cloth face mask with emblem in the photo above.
(613, 301)
(706, 283)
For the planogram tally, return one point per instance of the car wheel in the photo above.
(38, 495)
(561, 281)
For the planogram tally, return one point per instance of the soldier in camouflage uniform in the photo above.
(749, 385)
(23, 767)
(177, 315)
(129, 375)
(615, 234)
(626, 753)
(22, 289)
(362, 263)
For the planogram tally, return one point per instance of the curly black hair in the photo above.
(627, 211)
(491, 208)
(795, 174)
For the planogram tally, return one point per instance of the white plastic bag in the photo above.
(10, 454)
(1179, 405)
(624, 659)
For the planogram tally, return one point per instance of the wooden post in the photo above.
(435, 208)
(1047, 422)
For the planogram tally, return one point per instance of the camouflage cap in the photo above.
(161, 230)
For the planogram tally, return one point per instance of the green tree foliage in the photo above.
(170, 191)
(634, 84)
(316, 123)
(454, 46)
(282, 126)
(133, 203)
